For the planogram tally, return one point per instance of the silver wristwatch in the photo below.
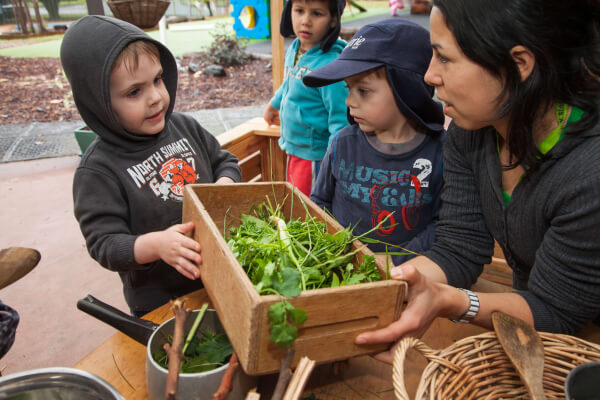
(470, 314)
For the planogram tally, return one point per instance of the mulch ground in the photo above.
(35, 89)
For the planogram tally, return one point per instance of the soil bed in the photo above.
(35, 89)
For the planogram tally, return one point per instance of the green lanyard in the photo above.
(557, 133)
(549, 142)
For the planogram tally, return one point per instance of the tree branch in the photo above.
(175, 351)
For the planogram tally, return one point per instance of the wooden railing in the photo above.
(255, 145)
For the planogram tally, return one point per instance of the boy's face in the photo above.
(372, 103)
(311, 20)
(139, 97)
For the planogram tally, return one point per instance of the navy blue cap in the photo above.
(403, 47)
(286, 29)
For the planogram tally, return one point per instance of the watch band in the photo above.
(470, 314)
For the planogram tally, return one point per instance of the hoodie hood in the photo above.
(88, 52)
(286, 28)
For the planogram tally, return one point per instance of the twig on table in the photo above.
(285, 374)
(174, 351)
(227, 381)
(298, 382)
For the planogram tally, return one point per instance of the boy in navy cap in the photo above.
(388, 162)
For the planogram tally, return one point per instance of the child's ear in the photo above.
(524, 59)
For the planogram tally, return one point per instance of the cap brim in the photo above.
(338, 70)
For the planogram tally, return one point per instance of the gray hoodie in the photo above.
(128, 185)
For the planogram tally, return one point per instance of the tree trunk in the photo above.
(20, 16)
(52, 8)
(210, 11)
(38, 16)
(28, 15)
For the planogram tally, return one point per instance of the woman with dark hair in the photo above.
(521, 81)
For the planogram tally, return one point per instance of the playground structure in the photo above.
(256, 14)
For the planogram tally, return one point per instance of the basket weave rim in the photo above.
(478, 367)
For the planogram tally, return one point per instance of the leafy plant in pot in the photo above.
(190, 385)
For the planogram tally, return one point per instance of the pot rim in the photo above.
(155, 365)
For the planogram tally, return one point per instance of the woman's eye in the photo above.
(133, 93)
(157, 80)
(442, 59)
(363, 91)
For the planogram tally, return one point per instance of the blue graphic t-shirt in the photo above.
(361, 184)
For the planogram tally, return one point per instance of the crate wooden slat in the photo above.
(335, 315)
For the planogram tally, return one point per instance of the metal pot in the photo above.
(56, 384)
(190, 385)
(583, 382)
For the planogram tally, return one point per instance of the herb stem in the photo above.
(284, 235)
(194, 328)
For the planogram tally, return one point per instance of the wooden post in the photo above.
(277, 53)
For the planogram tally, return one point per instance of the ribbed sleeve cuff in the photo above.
(232, 173)
(122, 256)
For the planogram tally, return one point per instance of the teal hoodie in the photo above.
(309, 117)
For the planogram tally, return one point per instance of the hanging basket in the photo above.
(141, 13)
(476, 367)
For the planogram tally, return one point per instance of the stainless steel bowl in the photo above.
(56, 384)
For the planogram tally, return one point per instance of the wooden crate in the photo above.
(335, 315)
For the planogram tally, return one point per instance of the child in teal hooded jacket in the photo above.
(309, 116)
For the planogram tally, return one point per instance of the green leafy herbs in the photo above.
(286, 257)
(206, 351)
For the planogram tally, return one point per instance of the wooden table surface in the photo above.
(120, 361)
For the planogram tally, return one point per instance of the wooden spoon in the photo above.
(524, 348)
(15, 262)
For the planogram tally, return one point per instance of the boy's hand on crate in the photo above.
(172, 246)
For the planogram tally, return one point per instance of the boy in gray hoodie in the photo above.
(128, 187)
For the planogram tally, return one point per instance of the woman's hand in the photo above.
(426, 300)
(172, 246)
(271, 115)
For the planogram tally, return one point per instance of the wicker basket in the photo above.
(141, 13)
(476, 367)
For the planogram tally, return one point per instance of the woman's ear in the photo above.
(333, 23)
(524, 59)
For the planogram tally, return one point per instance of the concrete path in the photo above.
(37, 140)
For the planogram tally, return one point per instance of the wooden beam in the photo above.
(277, 53)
